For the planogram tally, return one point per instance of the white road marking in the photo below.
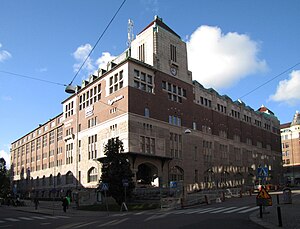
(85, 224)
(235, 210)
(38, 217)
(249, 210)
(210, 210)
(222, 210)
(63, 217)
(107, 223)
(12, 219)
(120, 221)
(25, 218)
(199, 210)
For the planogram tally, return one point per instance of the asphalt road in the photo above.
(233, 213)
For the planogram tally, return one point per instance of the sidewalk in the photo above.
(55, 208)
(290, 213)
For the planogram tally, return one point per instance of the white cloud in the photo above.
(4, 55)
(288, 90)
(44, 69)
(80, 55)
(151, 6)
(220, 60)
(6, 156)
(104, 59)
(6, 98)
(90, 66)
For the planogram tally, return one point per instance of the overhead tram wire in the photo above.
(32, 78)
(97, 42)
(280, 74)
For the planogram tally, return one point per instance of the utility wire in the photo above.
(269, 80)
(32, 78)
(97, 41)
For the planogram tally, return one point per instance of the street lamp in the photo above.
(70, 89)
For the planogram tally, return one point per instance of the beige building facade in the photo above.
(290, 143)
(173, 129)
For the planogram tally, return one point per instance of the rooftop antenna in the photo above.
(130, 35)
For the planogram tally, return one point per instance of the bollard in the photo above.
(241, 194)
(260, 211)
(279, 216)
(277, 198)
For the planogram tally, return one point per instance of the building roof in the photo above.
(285, 125)
(266, 110)
(296, 119)
(159, 22)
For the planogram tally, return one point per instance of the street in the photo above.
(233, 213)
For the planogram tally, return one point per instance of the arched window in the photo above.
(58, 179)
(176, 173)
(92, 175)
(69, 178)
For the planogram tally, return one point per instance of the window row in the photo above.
(69, 109)
(175, 93)
(89, 97)
(34, 134)
(116, 82)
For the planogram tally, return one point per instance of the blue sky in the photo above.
(234, 46)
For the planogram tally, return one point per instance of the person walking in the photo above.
(36, 203)
(65, 204)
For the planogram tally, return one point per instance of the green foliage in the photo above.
(4, 179)
(116, 168)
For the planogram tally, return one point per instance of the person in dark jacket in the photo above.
(65, 204)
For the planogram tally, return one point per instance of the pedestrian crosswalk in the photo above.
(205, 210)
(219, 210)
(30, 218)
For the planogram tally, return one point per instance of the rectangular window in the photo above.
(142, 52)
(173, 53)
(147, 112)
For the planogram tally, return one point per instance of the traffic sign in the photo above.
(263, 198)
(173, 184)
(262, 172)
(263, 194)
(104, 187)
(125, 182)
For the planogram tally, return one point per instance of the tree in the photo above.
(4, 179)
(116, 170)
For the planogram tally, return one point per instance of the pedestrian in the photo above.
(36, 202)
(69, 201)
(65, 204)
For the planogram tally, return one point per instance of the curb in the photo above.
(254, 217)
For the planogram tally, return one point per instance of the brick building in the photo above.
(173, 129)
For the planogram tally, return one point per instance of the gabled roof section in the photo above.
(265, 110)
(159, 22)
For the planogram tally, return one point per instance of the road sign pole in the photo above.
(260, 211)
(106, 202)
